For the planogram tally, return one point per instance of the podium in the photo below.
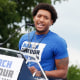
(13, 66)
(25, 74)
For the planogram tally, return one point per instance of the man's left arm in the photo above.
(62, 69)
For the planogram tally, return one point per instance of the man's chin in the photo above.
(40, 31)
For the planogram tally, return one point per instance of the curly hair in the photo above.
(48, 7)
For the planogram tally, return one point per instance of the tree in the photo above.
(58, 1)
(73, 73)
(8, 16)
(11, 12)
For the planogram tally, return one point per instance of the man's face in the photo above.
(42, 21)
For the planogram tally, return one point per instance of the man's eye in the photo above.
(46, 17)
(38, 15)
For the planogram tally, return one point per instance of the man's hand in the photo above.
(32, 69)
(35, 72)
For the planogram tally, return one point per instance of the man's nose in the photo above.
(42, 19)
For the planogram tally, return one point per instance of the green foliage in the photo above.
(7, 12)
(74, 73)
(8, 16)
(59, 1)
(11, 12)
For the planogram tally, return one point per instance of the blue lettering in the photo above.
(5, 63)
(0, 61)
(9, 63)
(25, 45)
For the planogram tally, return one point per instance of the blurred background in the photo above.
(14, 14)
(68, 26)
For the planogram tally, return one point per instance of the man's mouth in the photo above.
(40, 25)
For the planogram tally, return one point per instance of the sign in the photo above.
(10, 67)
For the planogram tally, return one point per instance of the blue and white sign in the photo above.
(10, 67)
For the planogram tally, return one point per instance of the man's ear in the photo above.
(51, 22)
(34, 18)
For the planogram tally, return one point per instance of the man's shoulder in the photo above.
(56, 37)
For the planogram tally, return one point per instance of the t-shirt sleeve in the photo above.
(61, 49)
(21, 41)
(20, 44)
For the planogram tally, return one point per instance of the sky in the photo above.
(68, 27)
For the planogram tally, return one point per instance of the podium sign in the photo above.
(10, 67)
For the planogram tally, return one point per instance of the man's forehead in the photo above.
(43, 12)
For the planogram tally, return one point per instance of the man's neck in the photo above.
(40, 33)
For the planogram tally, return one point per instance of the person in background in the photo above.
(50, 48)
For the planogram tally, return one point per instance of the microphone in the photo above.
(1, 44)
(29, 24)
(18, 29)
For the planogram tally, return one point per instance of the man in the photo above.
(50, 48)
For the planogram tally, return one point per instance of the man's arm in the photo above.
(61, 72)
(62, 69)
